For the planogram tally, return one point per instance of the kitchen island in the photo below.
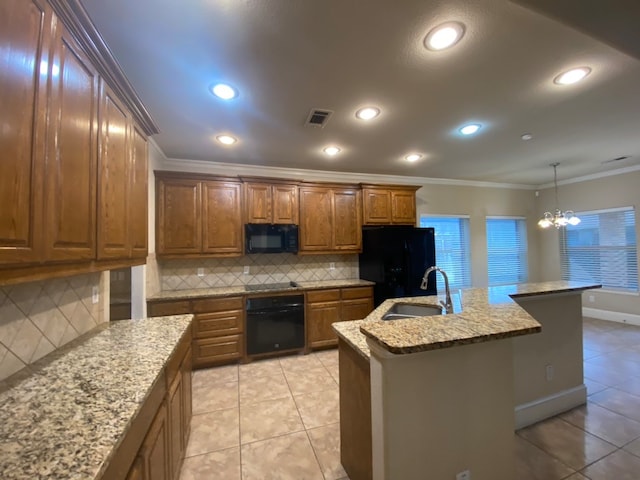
(82, 411)
(445, 393)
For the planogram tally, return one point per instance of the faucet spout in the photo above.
(448, 304)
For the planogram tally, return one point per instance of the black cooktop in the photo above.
(270, 286)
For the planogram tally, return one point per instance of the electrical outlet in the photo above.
(245, 270)
(95, 294)
(549, 372)
(466, 475)
(201, 272)
(332, 265)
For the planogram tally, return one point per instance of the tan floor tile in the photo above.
(299, 363)
(319, 408)
(258, 389)
(214, 431)
(215, 397)
(572, 446)
(268, 419)
(327, 356)
(289, 457)
(588, 354)
(603, 374)
(220, 465)
(619, 465)
(260, 368)
(618, 401)
(313, 380)
(632, 385)
(214, 376)
(576, 476)
(616, 362)
(593, 386)
(326, 444)
(532, 463)
(603, 423)
(633, 447)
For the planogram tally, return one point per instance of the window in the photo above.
(452, 249)
(507, 250)
(602, 248)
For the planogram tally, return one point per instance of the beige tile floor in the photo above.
(279, 419)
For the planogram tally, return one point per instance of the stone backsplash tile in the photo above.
(38, 317)
(273, 268)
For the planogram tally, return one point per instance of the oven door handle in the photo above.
(297, 309)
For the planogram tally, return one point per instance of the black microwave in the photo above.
(266, 238)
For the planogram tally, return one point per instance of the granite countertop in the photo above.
(240, 290)
(482, 314)
(64, 418)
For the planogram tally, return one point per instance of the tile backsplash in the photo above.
(263, 268)
(38, 317)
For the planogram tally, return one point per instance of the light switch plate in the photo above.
(332, 265)
(95, 294)
(245, 270)
(201, 272)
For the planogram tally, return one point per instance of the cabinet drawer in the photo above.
(357, 292)
(356, 309)
(173, 307)
(216, 324)
(207, 305)
(217, 350)
(323, 296)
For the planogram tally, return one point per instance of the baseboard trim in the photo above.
(629, 318)
(532, 412)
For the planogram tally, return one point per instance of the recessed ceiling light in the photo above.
(572, 76)
(470, 129)
(413, 157)
(444, 36)
(526, 136)
(331, 151)
(224, 91)
(226, 139)
(367, 113)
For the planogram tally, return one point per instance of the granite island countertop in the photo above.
(240, 289)
(482, 314)
(64, 417)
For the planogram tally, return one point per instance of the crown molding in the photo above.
(220, 168)
(593, 176)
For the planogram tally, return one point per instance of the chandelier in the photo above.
(558, 218)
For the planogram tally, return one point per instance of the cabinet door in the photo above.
(136, 472)
(376, 206)
(316, 219)
(258, 203)
(221, 218)
(347, 231)
(155, 449)
(187, 367)
(138, 196)
(175, 402)
(217, 350)
(113, 177)
(285, 204)
(71, 159)
(25, 35)
(320, 316)
(403, 207)
(356, 309)
(178, 224)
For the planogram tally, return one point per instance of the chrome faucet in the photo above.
(448, 304)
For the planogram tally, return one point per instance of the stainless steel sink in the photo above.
(411, 310)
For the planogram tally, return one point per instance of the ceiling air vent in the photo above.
(318, 118)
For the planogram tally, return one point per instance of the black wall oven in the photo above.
(275, 323)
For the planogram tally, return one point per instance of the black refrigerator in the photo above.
(395, 258)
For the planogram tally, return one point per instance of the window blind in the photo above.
(507, 250)
(452, 249)
(602, 248)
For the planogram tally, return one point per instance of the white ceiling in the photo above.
(288, 56)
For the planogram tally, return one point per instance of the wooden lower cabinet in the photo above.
(175, 402)
(211, 351)
(325, 307)
(155, 449)
(218, 326)
(137, 469)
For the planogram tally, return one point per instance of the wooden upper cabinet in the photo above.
(113, 178)
(71, 158)
(330, 219)
(178, 216)
(138, 194)
(271, 203)
(25, 35)
(389, 204)
(347, 225)
(222, 218)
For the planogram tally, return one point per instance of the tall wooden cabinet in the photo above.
(330, 219)
(198, 216)
(67, 163)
